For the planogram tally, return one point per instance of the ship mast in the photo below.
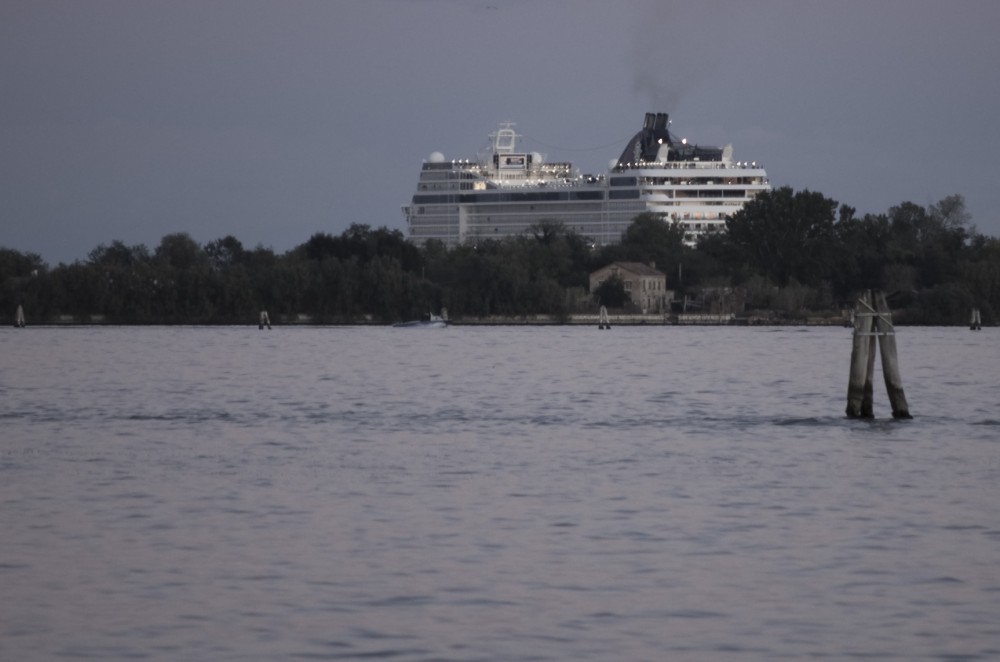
(505, 139)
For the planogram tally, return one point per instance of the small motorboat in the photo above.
(428, 321)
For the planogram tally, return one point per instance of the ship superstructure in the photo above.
(504, 192)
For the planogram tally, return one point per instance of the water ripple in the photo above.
(492, 494)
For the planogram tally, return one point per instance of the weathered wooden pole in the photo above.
(264, 321)
(890, 362)
(859, 388)
(976, 324)
(874, 320)
(868, 404)
(603, 321)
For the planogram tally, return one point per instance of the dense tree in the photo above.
(651, 232)
(547, 231)
(860, 253)
(179, 251)
(14, 264)
(117, 254)
(786, 235)
(361, 242)
(611, 292)
(786, 250)
(22, 282)
(980, 272)
(226, 252)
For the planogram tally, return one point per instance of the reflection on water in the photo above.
(494, 494)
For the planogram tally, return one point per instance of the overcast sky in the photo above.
(273, 120)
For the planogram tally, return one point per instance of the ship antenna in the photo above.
(505, 139)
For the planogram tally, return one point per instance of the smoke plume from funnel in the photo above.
(673, 52)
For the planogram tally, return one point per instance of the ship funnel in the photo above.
(650, 144)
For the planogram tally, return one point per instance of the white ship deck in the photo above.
(506, 192)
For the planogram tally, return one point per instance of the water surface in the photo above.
(557, 493)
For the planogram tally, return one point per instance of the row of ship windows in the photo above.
(689, 195)
(452, 176)
(674, 181)
(578, 195)
(451, 231)
(445, 176)
(546, 196)
(683, 220)
(610, 229)
(441, 182)
(454, 199)
(448, 173)
(460, 186)
(597, 212)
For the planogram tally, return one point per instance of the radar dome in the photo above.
(436, 157)
(536, 158)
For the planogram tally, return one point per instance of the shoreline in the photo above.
(583, 319)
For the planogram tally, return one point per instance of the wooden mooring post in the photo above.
(264, 321)
(19, 317)
(872, 320)
(976, 323)
(603, 321)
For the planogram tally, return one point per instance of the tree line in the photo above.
(788, 252)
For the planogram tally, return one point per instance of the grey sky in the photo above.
(271, 121)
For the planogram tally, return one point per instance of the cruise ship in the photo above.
(504, 192)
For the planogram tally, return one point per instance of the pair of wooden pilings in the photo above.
(603, 321)
(872, 320)
(264, 321)
(976, 323)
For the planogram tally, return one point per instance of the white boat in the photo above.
(505, 192)
(430, 321)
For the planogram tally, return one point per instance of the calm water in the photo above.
(494, 494)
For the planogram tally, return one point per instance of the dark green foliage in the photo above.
(920, 256)
(611, 292)
(226, 252)
(790, 252)
(23, 282)
(860, 254)
(363, 243)
(942, 304)
(786, 235)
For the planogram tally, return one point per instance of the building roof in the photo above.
(637, 268)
